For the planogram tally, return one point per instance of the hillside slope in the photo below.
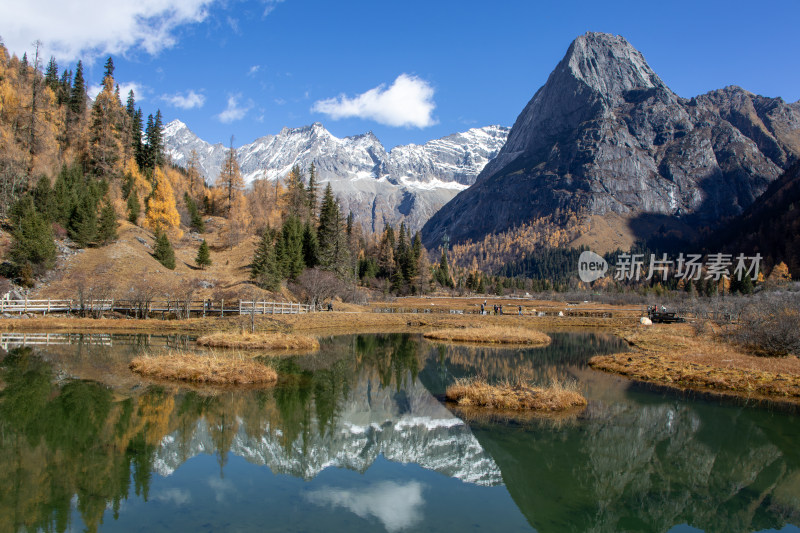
(126, 266)
(771, 226)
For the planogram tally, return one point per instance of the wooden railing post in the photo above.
(222, 308)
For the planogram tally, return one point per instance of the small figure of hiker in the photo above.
(482, 309)
(495, 309)
(500, 309)
(520, 310)
(330, 305)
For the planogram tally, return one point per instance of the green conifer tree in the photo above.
(292, 239)
(333, 251)
(264, 268)
(203, 258)
(51, 75)
(163, 251)
(443, 272)
(310, 246)
(43, 197)
(107, 225)
(134, 207)
(77, 97)
(195, 218)
(296, 194)
(82, 225)
(33, 243)
(311, 191)
(108, 70)
(64, 87)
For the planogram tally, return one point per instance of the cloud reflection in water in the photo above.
(397, 505)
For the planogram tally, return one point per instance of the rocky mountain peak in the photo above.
(609, 64)
(604, 135)
(313, 130)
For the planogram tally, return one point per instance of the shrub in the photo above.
(771, 326)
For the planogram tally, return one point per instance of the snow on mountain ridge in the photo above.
(421, 431)
(408, 183)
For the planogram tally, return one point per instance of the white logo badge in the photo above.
(591, 267)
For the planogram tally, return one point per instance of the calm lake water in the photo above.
(357, 438)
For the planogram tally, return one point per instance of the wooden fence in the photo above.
(12, 339)
(273, 308)
(152, 308)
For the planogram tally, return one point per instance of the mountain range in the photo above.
(607, 140)
(405, 184)
(405, 425)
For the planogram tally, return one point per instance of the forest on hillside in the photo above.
(71, 168)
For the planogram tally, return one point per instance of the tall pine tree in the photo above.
(333, 250)
(264, 268)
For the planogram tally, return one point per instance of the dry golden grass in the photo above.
(477, 392)
(260, 341)
(490, 334)
(675, 356)
(128, 261)
(334, 323)
(211, 368)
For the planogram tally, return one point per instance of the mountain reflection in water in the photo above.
(79, 453)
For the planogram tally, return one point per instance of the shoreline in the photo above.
(676, 358)
(672, 356)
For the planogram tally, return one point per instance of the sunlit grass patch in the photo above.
(259, 341)
(209, 368)
(491, 334)
(477, 392)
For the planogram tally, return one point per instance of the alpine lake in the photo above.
(358, 437)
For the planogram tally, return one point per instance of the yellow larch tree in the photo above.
(196, 183)
(230, 177)
(239, 220)
(780, 274)
(267, 201)
(162, 214)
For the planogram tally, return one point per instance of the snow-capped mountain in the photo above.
(408, 183)
(410, 426)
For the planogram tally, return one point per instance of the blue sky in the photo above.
(409, 71)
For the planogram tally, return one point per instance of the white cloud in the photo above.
(190, 100)
(406, 102)
(398, 506)
(90, 28)
(222, 488)
(234, 111)
(253, 70)
(270, 5)
(174, 496)
(124, 89)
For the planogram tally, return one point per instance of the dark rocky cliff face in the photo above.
(606, 135)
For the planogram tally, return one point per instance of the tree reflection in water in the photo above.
(643, 462)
